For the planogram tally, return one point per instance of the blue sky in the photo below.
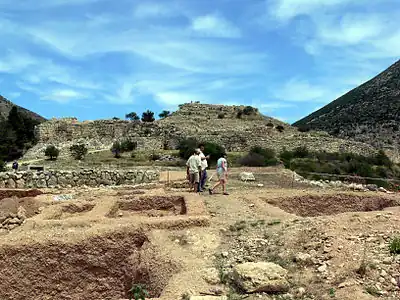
(100, 58)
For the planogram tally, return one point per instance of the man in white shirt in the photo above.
(193, 170)
(204, 166)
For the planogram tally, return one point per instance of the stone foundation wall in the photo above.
(93, 178)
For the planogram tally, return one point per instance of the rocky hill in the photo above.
(369, 113)
(237, 128)
(6, 105)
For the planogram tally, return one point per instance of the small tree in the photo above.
(164, 114)
(280, 128)
(132, 116)
(249, 110)
(270, 125)
(148, 116)
(52, 152)
(78, 151)
(116, 149)
(128, 145)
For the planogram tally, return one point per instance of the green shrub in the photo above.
(186, 148)
(221, 115)
(249, 110)
(259, 157)
(280, 128)
(155, 156)
(52, 152)
(252, 160)
(78, 151)
(116, 149)
(128, 145)
(381, 159)
(2, 166)
(304, 128)
(301, 152)
(239, 114)
(394, 245)
(270, 124)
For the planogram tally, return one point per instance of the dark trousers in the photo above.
(203, 178)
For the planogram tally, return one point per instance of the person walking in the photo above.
(193, 169)
(222, 172)
(15, 166)
(204, 166)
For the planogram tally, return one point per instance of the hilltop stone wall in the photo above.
(93, 178)
(201, 121)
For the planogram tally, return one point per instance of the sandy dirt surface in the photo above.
(333, 244)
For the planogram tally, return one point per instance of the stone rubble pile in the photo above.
(10, 221)
(339, 184)
(68, 179)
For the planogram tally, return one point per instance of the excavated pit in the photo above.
(150, 206)
(316, 205)
(100, 267)
(18, 193)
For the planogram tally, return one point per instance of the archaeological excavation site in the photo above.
(157, 240)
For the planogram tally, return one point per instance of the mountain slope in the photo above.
(369, 113)
(6, 105)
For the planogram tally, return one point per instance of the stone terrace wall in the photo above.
(93, 178)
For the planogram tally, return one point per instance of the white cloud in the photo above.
(284, 10)
(272, 106)
(214, 25)
(63, 95)
(146, 10)
(14, 62)
(297, 90)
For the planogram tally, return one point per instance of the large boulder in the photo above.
(247, 176)
(256, 277)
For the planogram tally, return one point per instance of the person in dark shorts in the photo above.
(193, 170)
(204, 166)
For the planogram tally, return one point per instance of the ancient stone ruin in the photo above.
(225, 125)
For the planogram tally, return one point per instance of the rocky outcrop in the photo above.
(11, 220)
(257, 277)
(56, 178)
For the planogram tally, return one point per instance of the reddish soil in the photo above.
(102, 267)
(314, 205)
(174, 205)
(19, 193)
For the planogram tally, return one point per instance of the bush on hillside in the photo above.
(270, 125)
(78, 151)
(280, 128)
(304, 128)
(249, 110)
(301, 152)
(148, 116)
(116, 149)
(304, 162)
(52, 152)
(221, 115)
(2, 166)
(259, 157)
(187, 146)
(128, 145)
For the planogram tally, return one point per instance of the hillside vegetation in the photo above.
(369, 113)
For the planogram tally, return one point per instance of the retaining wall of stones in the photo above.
(93, 178)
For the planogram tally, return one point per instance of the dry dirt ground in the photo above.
(334, 244)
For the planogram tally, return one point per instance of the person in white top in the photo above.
(204, 166)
